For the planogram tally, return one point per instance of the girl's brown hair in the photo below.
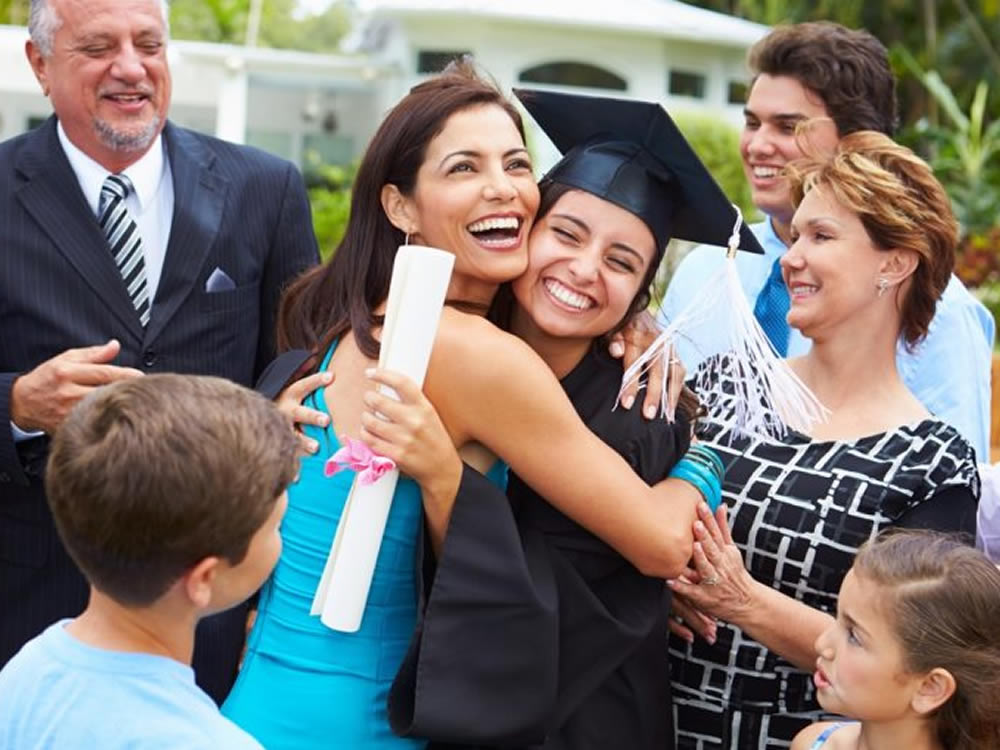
(943, 599)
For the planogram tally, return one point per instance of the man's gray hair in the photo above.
(44, 22)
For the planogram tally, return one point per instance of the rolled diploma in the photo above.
(420, 277)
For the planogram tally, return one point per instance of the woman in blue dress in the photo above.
(447, 167)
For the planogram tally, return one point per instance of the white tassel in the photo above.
(767, 398)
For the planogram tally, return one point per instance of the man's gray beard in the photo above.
(128, 142)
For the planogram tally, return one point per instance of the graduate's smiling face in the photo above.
(587, 260)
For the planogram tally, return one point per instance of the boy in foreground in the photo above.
(167, 491)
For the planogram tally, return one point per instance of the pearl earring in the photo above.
(882, 284)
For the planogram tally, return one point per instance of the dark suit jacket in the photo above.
(235, 208)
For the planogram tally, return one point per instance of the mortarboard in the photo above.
(632, 154)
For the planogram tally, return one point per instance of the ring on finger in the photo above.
(710, 580)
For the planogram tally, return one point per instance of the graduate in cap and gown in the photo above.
(533, 632)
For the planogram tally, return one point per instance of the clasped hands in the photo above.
(716, 585)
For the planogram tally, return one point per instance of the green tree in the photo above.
(313, 33)
(963, 148)
(280, 27)
(718, 146)
(14, 12)
(209, 20)
(958, 38)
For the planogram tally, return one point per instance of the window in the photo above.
(573, 74)
(274, 142)
(686, 83)
(738, 91)
(435, 60)
(323, 148)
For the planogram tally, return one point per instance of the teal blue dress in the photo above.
(303, 685)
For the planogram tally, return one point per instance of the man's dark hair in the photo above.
(847, 69)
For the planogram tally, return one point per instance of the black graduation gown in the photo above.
(534, 633)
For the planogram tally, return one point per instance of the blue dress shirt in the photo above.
(949, 371)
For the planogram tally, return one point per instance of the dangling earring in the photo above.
(882, 284)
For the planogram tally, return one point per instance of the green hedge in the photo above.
(329, 189)
(717, 144)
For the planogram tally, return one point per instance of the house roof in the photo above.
(666, 18)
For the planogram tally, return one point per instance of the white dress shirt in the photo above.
(150, 204)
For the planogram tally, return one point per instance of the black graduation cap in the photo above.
(632, 154)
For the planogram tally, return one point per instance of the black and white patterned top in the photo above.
(799, 509)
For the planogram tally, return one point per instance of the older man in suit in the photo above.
(127, 245)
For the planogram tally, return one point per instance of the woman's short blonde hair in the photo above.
(901, 205)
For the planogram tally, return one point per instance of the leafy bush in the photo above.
(717, 144)
(989, 295)
(964, 155)
(964, 151)
(977, 261)
(329, 189)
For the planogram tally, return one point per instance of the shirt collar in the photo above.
(145, 174)
(769, 239)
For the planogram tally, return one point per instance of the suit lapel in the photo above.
(199, 199)
(51, 195)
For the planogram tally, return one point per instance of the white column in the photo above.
(231, 111)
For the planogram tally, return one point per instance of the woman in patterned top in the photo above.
(874, 245)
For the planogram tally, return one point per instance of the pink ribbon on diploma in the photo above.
(357, 456)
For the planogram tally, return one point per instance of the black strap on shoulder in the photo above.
(278, 375)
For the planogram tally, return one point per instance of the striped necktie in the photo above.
(125, 243)
(772, 308)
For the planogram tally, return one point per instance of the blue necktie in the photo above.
(772, 307)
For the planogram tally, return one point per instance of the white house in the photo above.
(291, 103)
(310, 107)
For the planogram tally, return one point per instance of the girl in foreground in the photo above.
(593, 674)
(447, 167)
(914, 654)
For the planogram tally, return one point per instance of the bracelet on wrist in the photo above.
(702, 468)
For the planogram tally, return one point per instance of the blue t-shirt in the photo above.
(60, 693)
